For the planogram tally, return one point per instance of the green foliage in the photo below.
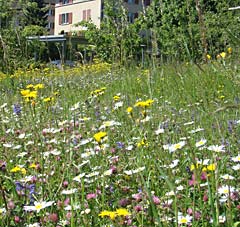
(162, 145)
(116, 39)
(35, 13)
(178, 29)
(33, 30)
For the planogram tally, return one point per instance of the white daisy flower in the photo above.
(17, 147)
(159, 131)
(2, 211)
(79, 177)
(225, 189)
(171, 193)
(216, 148)
(36, 224)
(222, 219)
(69, 191)
(93, 174)
(21, 136)
(85, 141)
(74, 207)
(130, 172)
(236, 167)
(177, 146)
(174, 163)
(109, 124)
(236, 158)
(227, 177)
(196, 130)
(38, 206)
(184, 219)
(7, 145)
(180, 188)
(200, 143)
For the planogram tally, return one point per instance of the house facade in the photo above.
(70, 12)
(51, 16)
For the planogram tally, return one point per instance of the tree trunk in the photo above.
(202, 31)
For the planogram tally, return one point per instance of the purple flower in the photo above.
(17, 109)
(156, 200)
(124, 202)
(2, 165)
(120, 145)
(91, 196)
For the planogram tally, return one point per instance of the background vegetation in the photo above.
(165, 31)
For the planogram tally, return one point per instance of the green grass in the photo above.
(147, 171)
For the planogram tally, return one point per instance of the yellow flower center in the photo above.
(38, 206)
(183, 220)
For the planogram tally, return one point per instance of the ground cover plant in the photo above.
(107, 146)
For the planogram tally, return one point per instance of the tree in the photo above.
(117, 40)
(35, 12)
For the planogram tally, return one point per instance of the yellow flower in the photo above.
(223, 55)
(193, 166)
(32, 94)
(229, 50)
(211, 167)
(98, 136)
(18, 169)
(23, 171)
(116, 98)
(129, 109)
(209, 57)
(143, 142)
(29, 86)
(144, 104)
(25, 92)
(111, 214)
(48, 99)
(39, 86)
(122, 212)
(98, 92)
(15, 169)
(33, 165)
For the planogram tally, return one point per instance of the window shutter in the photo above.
(84, 14)
(60, 19)
(89, 14)
(70, 18)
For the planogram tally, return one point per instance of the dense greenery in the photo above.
(169, 30)
(165, 31)
(103, 146)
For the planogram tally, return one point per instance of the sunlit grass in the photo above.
(103, 146)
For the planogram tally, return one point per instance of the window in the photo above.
(132, 1)
(131, 17)
(65, 18)
(51, 12)
(86, 15)
(50, 25)
(64, 2)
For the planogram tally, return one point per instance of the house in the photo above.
(70, 12)
(51, 16)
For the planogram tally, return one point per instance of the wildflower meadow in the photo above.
(105, 146)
